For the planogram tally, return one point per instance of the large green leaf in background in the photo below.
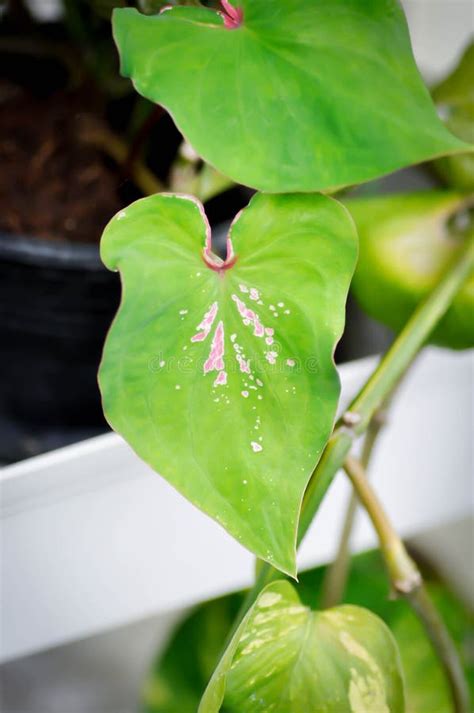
(220, 375)
(286, 658)
(306, 95)
(182, 671)
(407, 241)
(454, 97)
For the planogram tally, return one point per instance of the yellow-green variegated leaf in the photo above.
(286, 658)
(181, 672)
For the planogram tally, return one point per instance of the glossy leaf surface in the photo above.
(220, 374)
(181, 673)
(286, 658)
(406, 243)
(304, 95)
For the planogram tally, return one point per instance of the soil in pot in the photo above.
(57, 192)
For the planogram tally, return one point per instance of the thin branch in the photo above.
(335, 580)
(143, 133)
(404, 574)
(336, 575)
(384, 379)
(407, 582)
(117, 149)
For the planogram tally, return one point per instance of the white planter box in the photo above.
(93, 539)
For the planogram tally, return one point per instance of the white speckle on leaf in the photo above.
(183, 311)
(268, 599)
(290, 362)
(162, 363)
(367, 694)
(177, 387)
(121, 215)
(256, 447)
(245, 394)
(281, 304)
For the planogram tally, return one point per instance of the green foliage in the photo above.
(179, 677)
(407, 241)
(455, 100)
(220, 374)
(181, 673)
(287, 658)
(427, 690)
(303, 96)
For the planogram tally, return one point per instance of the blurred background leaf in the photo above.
(454, 97)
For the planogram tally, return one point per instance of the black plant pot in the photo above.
(56, 303)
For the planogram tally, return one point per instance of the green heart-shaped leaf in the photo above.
(304, 95)
(286, 658)
(406, 244)
(220, 374)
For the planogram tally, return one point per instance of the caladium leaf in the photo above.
(286, 658)
(301, 95)
(407, 241)
(220, 374)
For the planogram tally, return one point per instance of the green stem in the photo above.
(407, 583)
(403, 572)
(389, 371)
(335, 579)
(336, 575)
(384, 379)
(118, 150)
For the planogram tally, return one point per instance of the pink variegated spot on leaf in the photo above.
(232, 16)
